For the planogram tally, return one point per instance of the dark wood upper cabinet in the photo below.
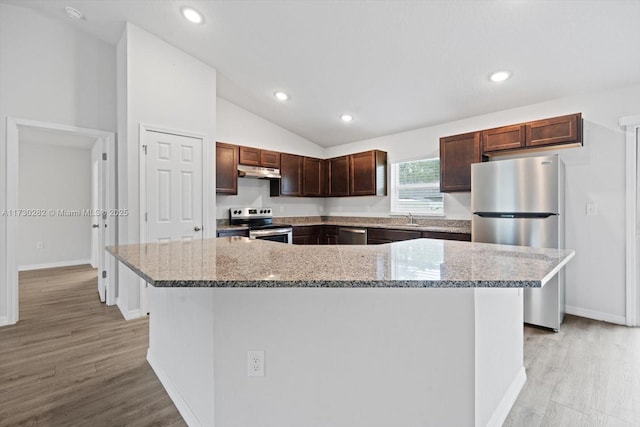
(270, 159)
(291, 172)
(226, 168)
(554, 131)
(367, 173)
(249, 156)
(457, 153)
(313, 177)
(503, 138)
(256, 157)
(338, 176)
(540, 134)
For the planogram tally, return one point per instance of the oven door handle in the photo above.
(274, 232)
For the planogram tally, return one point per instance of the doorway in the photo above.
(95, 142)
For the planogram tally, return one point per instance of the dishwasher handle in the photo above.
(354, 230)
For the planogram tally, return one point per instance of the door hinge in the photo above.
(146, 216)
(104, 274)
(104, 156)
(144, 148)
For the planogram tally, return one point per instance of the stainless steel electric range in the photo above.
(260, 223)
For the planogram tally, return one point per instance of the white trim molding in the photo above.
(11, 222)
(631, 124)
(596, 315)
(181, 404)
(504, 407)
(58, 264)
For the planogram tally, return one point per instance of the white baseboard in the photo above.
(54, 264)
(129, 314)
(186, 412)
(504, 407)
(4, 321)
(595, 315)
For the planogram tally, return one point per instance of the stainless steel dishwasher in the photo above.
(352, 236)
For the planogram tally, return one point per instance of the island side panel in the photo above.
(181, 349)
(345, 357)
(500, 372)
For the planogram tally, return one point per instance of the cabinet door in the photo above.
(249, 156)
(383, 235)
(338, 176)
(226, 168)
(557, 130)
(465, 237)
(291, 172)
(307, 235)
(329, 235)
(457, 153)
(313, 177)
(503, 138)
(362, 174)
(270, 159)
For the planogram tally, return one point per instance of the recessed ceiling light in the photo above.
(192, 15)
(499, 76)
(281, 96)
(73, 13)
(346, 118)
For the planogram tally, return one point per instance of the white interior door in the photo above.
(96, 153)
(100, 212)
(174, 199)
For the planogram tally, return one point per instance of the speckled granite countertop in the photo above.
(396, 223)
(241, 262)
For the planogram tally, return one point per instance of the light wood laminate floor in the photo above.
(586, 375)
(73, 361)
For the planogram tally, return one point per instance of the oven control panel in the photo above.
(250, 213)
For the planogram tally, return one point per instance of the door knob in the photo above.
(196, 228)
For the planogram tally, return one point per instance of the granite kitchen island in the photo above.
(415, 333)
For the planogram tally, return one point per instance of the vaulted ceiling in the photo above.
(393, 65)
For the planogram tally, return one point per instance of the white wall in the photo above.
(236, 125)
(53, 177)
(595, 173)
(50, 72)
(158, 85)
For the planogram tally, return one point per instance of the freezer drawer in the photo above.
(534, 232)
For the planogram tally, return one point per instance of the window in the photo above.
(415, 187)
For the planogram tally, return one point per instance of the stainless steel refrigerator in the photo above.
(521, 202)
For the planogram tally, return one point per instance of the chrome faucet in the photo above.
(410, 218)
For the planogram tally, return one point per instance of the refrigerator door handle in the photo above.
(514, 215)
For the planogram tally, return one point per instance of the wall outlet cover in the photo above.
(255, 363)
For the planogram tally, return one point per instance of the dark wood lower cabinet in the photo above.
(307, 235)
(377, 236)
(464, 237)
(328, 235)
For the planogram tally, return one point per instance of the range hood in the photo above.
(258, 172)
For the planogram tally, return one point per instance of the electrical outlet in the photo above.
(39, 244)
(281, 209)
(255, 363)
